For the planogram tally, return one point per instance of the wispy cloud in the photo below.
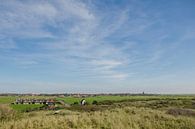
(77, 34)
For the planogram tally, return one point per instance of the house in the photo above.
(35, 101)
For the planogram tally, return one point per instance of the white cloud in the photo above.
(78, 33)
(75, 8)
(108, 63)
(116, 76)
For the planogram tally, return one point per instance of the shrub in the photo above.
(95, 102)
(75, 103)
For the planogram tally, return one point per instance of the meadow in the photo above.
(7, 99)
(26, 107)
(116, 98)
(109, 112)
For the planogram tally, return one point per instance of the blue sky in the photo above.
(95, 46)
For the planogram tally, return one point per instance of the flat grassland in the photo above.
(72, 100)
(7, 99)
(108, 112)
(25, 107)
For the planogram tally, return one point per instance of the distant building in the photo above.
(35, 101)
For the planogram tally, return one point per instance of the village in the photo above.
(48, 102)
(35, 101)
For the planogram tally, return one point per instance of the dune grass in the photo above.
(119, 118)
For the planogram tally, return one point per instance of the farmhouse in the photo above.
(35, 101)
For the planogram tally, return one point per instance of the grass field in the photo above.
(110, 112)
(71, 100)
(7, 99)
(26, 107)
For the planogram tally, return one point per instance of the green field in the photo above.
(7, 99)
(71, 100)
(151, 100)
(26, 107)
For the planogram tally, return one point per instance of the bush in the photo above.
(86, 103)
(95, 102)
(75, 103)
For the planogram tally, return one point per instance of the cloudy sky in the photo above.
(94, 46)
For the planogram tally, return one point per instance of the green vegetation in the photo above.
(26, 107)
(72, 100)
(7, 99)
(102, 112)
(116, 98)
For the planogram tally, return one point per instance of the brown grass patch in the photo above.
(184, 112)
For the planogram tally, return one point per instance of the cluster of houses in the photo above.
(48, 102)
(35, 101)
